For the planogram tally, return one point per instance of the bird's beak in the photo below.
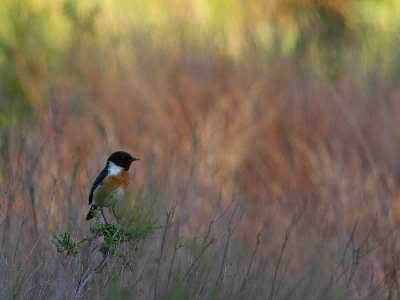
(133, 158)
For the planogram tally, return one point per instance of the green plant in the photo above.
(119, 241)
(64, 244)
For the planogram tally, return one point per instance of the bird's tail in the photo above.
(92, 212)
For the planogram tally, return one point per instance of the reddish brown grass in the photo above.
(286, 185)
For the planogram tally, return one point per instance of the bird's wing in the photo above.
(99, 179)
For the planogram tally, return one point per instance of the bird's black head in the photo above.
(122, 159)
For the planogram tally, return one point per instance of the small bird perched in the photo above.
(111, 184)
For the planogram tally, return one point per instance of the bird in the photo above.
(111, 184)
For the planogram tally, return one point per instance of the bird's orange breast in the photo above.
(121, 180)
(112, 189)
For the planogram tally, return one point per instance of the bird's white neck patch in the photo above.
(113, 169)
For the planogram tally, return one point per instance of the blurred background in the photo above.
(281, 106)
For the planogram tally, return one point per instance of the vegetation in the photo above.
(268, 133)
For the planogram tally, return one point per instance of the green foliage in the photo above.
(117, 235)
(115, 238)
(45, 36)
(64, 244)
(177, 293)
(118, 290)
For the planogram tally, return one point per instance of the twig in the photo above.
(295, 219)
(170, 215)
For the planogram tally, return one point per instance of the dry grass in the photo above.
(269, 183)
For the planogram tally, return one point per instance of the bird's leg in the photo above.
(104, 216)
(113, 210)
